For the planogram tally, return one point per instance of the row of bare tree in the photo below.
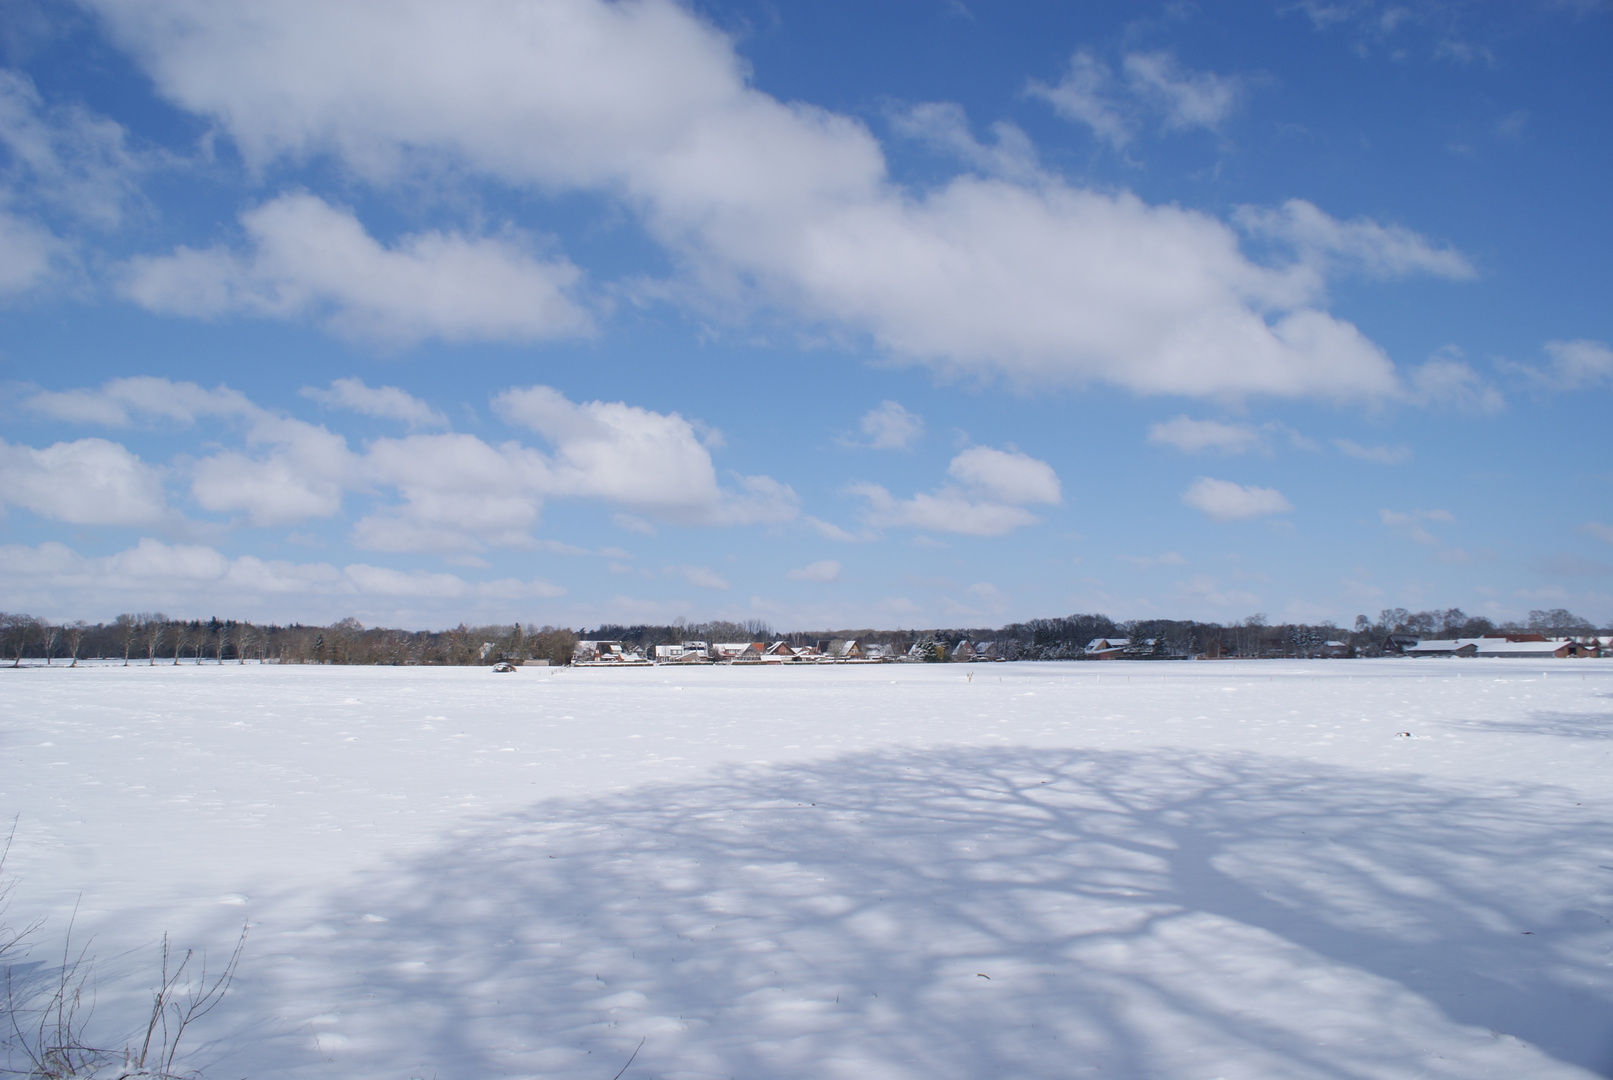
(152, 638)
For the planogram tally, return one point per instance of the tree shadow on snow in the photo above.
(1565, 725)
(987, 913)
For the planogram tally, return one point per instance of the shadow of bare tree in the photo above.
(981, 913)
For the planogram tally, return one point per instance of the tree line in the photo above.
(153, 638)
(1149, 639)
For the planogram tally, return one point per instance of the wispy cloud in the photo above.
(1148, 84)
(383, 402)
(1194, 436)
(824, 570)
(1378, 455)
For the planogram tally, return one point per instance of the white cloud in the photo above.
(759, 201)
(120, 402)
(1188, 99)
(1082, 95)
(1378, 455)
(824, 570)
(64, 157)
(891, 427)
(1381, 251)
(1193, 436)
(1169, 558)
(459, 494)
(946, 510)
(303, 474)
(830, 531)
(944, 126)
(308, 257)
(302, 470)
(1409, 523)
(1395, 518)
(1598, 530)
(1206, 591)
(1005, 476)
(86, 482)
(633, 523)
(702, 577)
(988, 498)
(1580, 363)
(653, 462)
(29, 253)
(384, 402)
(1223, 500)
(155, 574)
(1089, 93)
(1445, 380)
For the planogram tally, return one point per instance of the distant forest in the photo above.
(152, 638)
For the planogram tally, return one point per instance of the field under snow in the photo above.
(1195, 870)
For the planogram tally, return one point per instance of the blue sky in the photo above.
(822, 314)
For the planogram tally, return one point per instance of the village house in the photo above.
(1105, 648)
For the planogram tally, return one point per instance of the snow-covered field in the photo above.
(1238, 870)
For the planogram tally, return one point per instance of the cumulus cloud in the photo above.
(1005, 476)
(461, 494)
(287, 470)
(891, 427)
(383, 402)
(457, 493)
(86, 482)
(301, 472)
(774, 203)
(654, 462)
(987, 498)
(1362, 245)
(307, 257)
(1223, 500)
(1378, 455)
(824, 570)
(1194, 436)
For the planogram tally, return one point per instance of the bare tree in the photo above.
(75, 632)
(181, 639)
(129, 630)
(151, 634)
(48, 634)
(19, 631)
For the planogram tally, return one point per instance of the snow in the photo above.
(1339, 869)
